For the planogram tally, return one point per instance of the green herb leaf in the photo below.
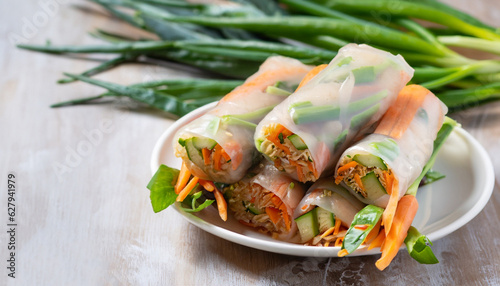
(362, 224)
(196, 206)
(162, 188)
(418, 246)
(431, 177)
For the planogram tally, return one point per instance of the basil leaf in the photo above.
(195, 205)
(361, 225)
(419, 247)
(162, 188)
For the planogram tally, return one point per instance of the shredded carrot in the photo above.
(338, 241)
(373, 233)
(338, 222)
(187, 189)
(286, 217)
(377, 242)
(399, 116)
(246, 223)
(361, 226)
(347, 166)
(311, 74)
(273, 137)
(207, 185)
(252, 200)
(342, 253)
(405, 213)
(276, 201)
(273, 213)
(206, 155)
(225, 155)
(338, 179)
(217, 156)
(389, 181)
(390, 209)
(357, 178)
(277, 163)
(328, 232)
(304, 207)
(327, 243)
(312, 168)
(221, 204)
(183, 178)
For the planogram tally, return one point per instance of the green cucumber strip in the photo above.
(369, 160)
(388, 148)
(213, 126)
(277, 91)
(297, 142)
(231, 120)
(254, 115)
(162, 186)
(182, 142)
(193, 153)
(373, 187)
(361, 118)
(308, 225)
(299, 104)
(368, 216)
(326, 113)
(418, 246)
(344, 61)
(203, 142)
(364, 74)
(326, 219)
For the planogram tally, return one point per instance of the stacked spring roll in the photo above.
(218, 146)
(306, 133)
(325, 213)
(266, 199)
(390, 160)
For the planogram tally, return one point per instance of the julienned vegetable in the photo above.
(327, 112)
(218, 146)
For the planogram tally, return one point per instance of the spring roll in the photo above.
(306, 133)
(218, 146)
(325, 213)
(391, 159)
(266, 199)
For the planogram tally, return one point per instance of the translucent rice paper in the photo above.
(407, 155)
(237, 138)
(288, 190)
(331, 197)
(338, 87)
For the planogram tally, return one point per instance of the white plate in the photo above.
(445, 206)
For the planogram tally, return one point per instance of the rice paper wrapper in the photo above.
(350, 94)
(288, 190)
(406, 156)
(249, 103)
(331, 197)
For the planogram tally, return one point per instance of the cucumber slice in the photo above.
(277, 91)
(326, 219)
(369, 160)
(193, 153)
(373, 187)
(253, 209)
(308, 225)
(297, 142)
(204, 142)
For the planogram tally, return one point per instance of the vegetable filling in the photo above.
(289, 153)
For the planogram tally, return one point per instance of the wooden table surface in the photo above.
(83, 213)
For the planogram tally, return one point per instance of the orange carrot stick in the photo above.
(183, 178)
(225, 155)
(217, 156)
(187, 189)
(338, 222)
(347, 166)
(390, 210)
(273, 213)
(373, 233)
(311, 74)
(357, 178)
(399, 116)
(406, 211)
(221, 204)
(378, 241)
(206, 155)
(207, 185)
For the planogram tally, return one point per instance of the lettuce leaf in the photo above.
(162, 188)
